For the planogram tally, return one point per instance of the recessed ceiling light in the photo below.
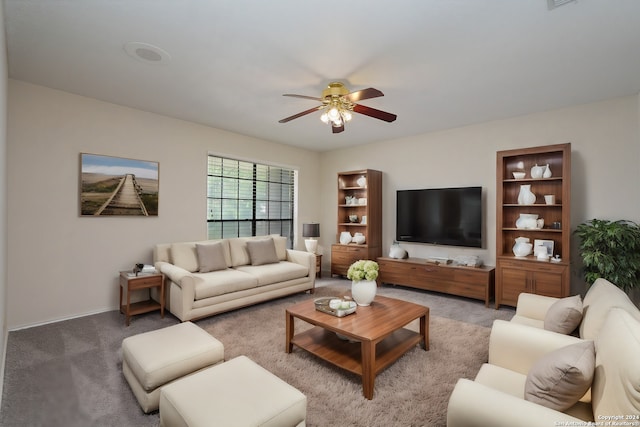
(146, 52)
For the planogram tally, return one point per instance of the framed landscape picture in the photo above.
(118, 186)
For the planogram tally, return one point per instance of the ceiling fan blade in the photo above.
(315, 98)
(363, 94)
(337, 129)
(372, 112)
(304, 113)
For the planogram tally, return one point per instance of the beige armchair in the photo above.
(497, 396)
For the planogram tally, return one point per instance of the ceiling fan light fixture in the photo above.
(337, 105)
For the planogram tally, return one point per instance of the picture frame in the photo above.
(549, 244)
(118, 186)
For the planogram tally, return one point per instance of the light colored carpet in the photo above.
(70, 373)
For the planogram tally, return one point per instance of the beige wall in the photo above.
(605, 145)
(63, 265)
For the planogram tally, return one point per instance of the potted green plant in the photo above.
(611, 250)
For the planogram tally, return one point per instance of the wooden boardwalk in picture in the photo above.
(125, 199)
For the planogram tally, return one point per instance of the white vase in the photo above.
(547, 172)
(526, 197)
(364, 291)
(527, 221)
(345, 237)
(537, 171)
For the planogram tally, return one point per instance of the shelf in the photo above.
(531, 258)
(530, 180)
(365, 203)
(535, 205)
(515, 275)
(533, 230)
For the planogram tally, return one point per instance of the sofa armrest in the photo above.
(534, 306)
(517, 347)
(173, 272)
(306, 259)
(475, 405)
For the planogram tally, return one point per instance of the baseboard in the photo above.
(61, 319)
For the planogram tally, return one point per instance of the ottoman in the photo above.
(235, 393)
(153, 359)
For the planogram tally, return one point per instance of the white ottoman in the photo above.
(235, 393)
(153, 359)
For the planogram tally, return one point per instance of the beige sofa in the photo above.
(208, 277)
(518, 348)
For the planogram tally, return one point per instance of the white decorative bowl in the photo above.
(518, 175)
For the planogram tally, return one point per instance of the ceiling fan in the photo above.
(338, 103)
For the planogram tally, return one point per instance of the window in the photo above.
(249, 199)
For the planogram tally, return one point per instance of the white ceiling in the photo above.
(440, 63)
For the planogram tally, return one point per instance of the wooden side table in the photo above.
(318, 265)
(129, 283)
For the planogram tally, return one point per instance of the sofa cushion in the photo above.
(222, 282)
(560, 378)
(564, 315)
(184, 256)
(238, 250)
(601, 297)
(210, 257)
(281, 246)
(275, 273)
(262, 251)
(616, 385)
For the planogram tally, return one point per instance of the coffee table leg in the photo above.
(368, 350)
(424, 331)
(289, 333)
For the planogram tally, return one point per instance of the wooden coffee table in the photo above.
(378, 328)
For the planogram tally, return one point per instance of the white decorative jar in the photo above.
(522, 248)
(547, 172)
(527, 221)
(537, 171)
(363, 292)
(345, 238)
(526, 197)
(359, 238)
(397, 252)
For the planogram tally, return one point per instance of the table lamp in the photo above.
(311, 231)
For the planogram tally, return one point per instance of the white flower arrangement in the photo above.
(363, 270)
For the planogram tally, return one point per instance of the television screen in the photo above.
(442, 216)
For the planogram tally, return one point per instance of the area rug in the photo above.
(413, 391)
(69, 373)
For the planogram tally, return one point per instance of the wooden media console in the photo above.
(471, 282)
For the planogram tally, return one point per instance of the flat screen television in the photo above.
(442, 216)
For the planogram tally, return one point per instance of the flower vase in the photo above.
(526, 197)
(364, 291)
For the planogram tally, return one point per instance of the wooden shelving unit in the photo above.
(368, 204)
(516, 275)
